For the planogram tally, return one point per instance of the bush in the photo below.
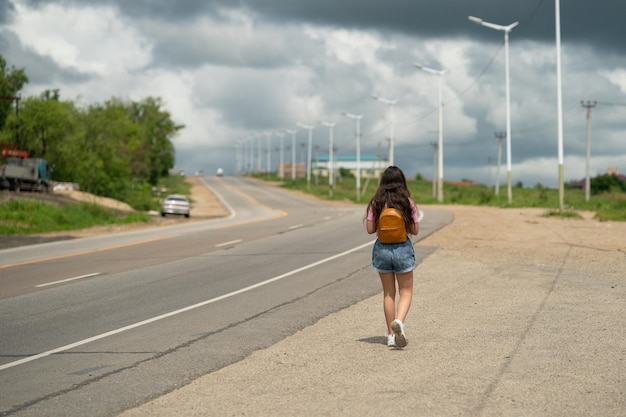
(607, 183)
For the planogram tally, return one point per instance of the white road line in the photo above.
(297, 226)
(232, 242)
(68, 280)
(182, 310)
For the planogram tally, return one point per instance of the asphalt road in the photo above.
(94, 326)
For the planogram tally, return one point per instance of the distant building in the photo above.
(299, 170)
(371, 166)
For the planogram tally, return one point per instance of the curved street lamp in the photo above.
(440, 74)
(331, 179)
(293, 154)
(308, 167)
(506, 30)
(357, 119)
(281, 169)
(390, 102)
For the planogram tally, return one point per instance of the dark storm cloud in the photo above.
(157, 9)
(582, 21)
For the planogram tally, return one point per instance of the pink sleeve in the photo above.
(370, 213)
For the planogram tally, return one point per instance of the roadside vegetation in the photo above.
(120, 149)
(607, 200)
(27, 216)
(30, 215)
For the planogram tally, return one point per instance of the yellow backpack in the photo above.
(391, 228)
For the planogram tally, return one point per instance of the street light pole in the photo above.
(259, 154)
(268, 159)
(589, 105)
(390, 102)
(506, 30)
(238, 157)
(500, 136)
(281, 169)
(559, 102)
(250, 155)
(308, 167)
(435, 153)
(246, 155)
(331, 179)
(440, 74)
(293, 154)
(357, 119)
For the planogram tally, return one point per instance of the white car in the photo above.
(175, 204)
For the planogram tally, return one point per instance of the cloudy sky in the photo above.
(234, 71)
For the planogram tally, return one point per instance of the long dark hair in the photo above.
(392, 192)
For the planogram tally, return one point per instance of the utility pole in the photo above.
(259, 154)
(588, 105)
(435, 146)
(317, 164)
(292, 132)
(500, 136)
(268, 158)
(559, 94)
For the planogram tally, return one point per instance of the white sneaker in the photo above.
(398, 328)
(391, 340)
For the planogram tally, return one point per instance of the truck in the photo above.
(18, 173)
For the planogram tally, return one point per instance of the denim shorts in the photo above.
(393, 257)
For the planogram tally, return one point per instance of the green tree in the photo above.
(108, 149)
(12, 80)
(105, 168)
(154, 150)
(44, 122)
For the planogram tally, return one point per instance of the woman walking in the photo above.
(395, 259)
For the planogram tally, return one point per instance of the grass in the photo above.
(144, 198)
(28, 216)
(607, 206)
(31, 217)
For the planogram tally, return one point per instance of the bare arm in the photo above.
(415, 228)
(371, 226)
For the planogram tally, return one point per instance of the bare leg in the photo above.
(405, 287)
(388, 280)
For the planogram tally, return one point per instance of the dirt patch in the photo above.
(81, 196)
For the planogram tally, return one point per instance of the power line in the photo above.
(604, 103)
(530, 18)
